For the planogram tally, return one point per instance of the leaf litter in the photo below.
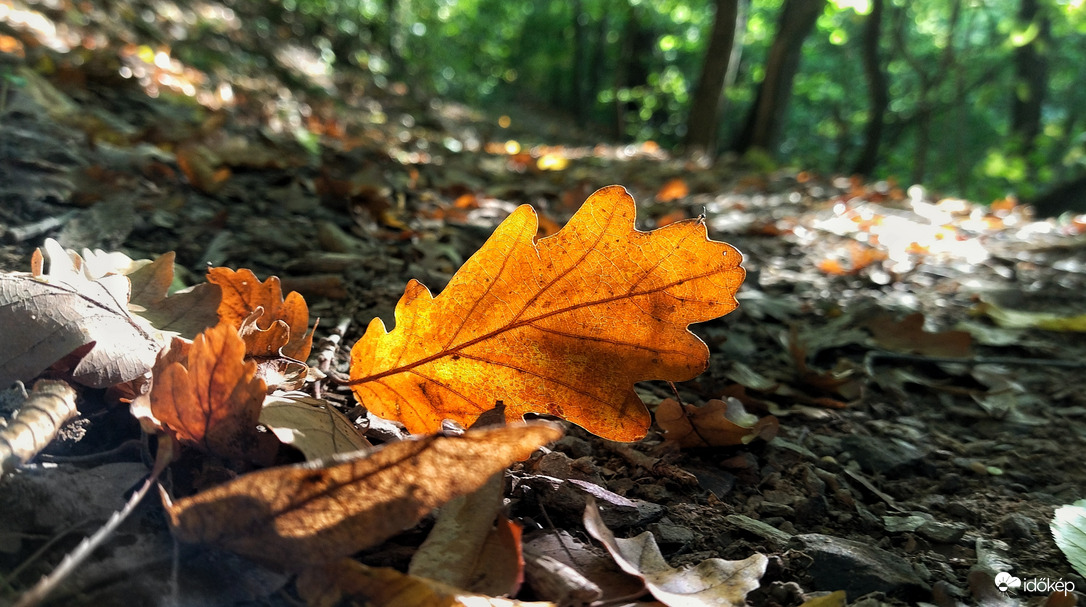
(799, 234)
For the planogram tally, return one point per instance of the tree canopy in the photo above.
(980, 99)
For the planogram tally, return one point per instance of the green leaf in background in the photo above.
(1069, 531)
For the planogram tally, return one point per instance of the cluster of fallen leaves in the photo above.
(562, 326)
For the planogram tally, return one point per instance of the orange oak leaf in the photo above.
(297, 515)
(243, 293)
(562, 325)
(208, 395)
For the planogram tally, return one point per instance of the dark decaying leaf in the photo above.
(313, 513)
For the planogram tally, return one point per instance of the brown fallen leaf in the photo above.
(718, 423)
(564, 325)
(713, 581)
(243, 293)
(348, 582)
(908, 335)
(292, 516)
(209, 396)
(265, 347)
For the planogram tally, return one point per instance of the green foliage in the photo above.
(630, 66)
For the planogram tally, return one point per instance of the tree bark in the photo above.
(877, 90)
(577, 84)
(1030, 75)
(704, 121)
(797, 19)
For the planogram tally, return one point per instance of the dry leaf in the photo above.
(265, 347)
(312, 425)
(348, 582)
(459, 550)
(716, 424)
(243, 293)
(317, 514)
(564, 325)
(713, 581)
(186, 312)
(210, 397)
(44, 317)
(908, 335)
(673, 189)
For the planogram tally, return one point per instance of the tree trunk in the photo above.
(701, 127)
(877, 90)
(577, 83)
(1030, 75)
(797, 19)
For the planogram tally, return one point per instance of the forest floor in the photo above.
(927, 428)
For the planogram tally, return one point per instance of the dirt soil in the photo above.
(916, 457)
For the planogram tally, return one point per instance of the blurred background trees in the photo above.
(979, 98)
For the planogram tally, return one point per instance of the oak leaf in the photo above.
(208, 395)
(316, 513)
(563, 325)
(908, 335)
(243, 293)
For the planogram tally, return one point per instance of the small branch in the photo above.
(33, 230)
(328, 349)
(48, 407)
(82, 552)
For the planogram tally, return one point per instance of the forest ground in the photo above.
(950, 468)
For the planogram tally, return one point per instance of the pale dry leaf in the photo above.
(322, 511)
(186, 312)
(713, 582)
(717, 423)
(455, 546)
(312, 425)
(43, 322)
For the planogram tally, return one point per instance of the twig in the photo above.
(73, 559)
(48, 407)
(329, 346)
(43, 549)
(33, 230)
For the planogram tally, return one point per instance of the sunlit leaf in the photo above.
(564, 325)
